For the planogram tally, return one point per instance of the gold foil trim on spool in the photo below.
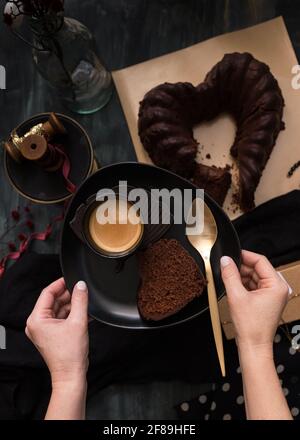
(18, 140)
(47, 130)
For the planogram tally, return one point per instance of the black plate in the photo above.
(113, 292)
(42, 186)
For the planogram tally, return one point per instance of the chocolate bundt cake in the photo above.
(240, 85)
(214, 180)
(166, 118)
(170, 279)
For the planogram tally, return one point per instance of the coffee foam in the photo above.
(117, 237)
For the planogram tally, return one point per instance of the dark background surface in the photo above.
(127, 32)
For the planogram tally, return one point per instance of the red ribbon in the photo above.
(25, 244)
(66, 167)
(42, 236)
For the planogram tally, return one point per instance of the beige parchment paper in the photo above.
(292, 309)
(268, 42)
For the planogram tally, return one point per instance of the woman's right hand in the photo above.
(58, 327)
(256, 298)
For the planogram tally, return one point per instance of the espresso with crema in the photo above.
(119, 236)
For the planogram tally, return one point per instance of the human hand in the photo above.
(58, 327)
(256, 298)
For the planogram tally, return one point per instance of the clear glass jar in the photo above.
(65, 55)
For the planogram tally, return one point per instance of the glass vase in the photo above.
(66, 57)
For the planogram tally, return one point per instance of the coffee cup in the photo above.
(108, 227)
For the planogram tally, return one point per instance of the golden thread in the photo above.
(36, 129)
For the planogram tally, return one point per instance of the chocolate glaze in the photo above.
(240, 85)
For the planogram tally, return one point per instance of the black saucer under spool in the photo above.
(41, 186)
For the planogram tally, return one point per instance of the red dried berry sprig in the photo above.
(42, 236)
(15, 213)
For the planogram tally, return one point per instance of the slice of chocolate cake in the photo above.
(215, 181)
(170, 279)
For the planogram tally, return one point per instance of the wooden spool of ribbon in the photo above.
(35, 146)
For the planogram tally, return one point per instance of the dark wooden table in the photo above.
(127, 32)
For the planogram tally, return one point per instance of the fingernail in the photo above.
(81, 285)
(225, 261)
(289, 287)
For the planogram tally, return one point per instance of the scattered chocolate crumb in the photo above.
(235, 198)
(208, 156)
(293, 169)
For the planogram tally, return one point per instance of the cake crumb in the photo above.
(235, 199)
(208, 156)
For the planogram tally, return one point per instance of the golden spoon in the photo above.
(202, 239)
